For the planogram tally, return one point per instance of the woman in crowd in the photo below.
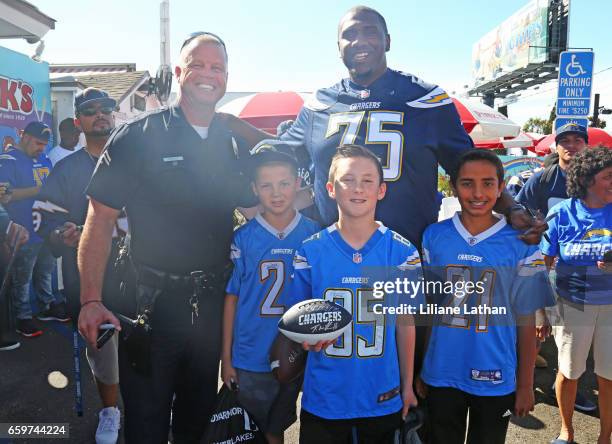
(580, 236)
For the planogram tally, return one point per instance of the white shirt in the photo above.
(201, 130)
(57, 153)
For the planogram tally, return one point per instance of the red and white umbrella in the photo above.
(265, 110)
(597, 137)
(483, 123)
(523, 140)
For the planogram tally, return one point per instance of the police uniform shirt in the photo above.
(179, 190)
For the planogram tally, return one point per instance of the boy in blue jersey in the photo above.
(262, 253)
(498, 282)
(359, 388)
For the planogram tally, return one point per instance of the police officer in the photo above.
(177, 174)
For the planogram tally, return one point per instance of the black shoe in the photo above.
(9, 345)
(27, 328)
(55, 312)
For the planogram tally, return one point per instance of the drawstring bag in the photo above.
(230, 423)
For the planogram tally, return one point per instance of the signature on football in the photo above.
(330, 326)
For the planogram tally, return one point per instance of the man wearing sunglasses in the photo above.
(179, 178)
(61, 209)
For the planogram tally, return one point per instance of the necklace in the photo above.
(93, 159)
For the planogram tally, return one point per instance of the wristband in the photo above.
(89, 302)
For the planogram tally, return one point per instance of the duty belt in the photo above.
(199, 282)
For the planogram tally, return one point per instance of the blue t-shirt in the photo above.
(539, 196)
(409, 124)
(263, 259)
(580, 236)
(476, 352)
(358, 376)
(22, 171)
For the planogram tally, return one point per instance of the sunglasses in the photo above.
(193, 35)
(89, 112)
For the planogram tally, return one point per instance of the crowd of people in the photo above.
(374, 141)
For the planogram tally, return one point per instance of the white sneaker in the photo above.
(108, 427)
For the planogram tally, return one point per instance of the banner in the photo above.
(513, 165)
(511, 45)
(25, 95)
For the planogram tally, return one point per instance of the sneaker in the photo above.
(27, 328)
(55, 312)
(541, 362)
(582, 403)
(109, 425)
(9, 345)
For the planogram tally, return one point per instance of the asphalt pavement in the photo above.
(27, 397)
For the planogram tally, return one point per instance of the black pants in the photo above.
(184, 373)
(448, 409)
(375, 430)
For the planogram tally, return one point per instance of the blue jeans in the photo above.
(35, 264)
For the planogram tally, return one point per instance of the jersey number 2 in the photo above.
(376, 134)
(274, 270)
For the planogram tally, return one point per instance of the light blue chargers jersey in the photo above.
(262, 258)
(476, 351)
(358, 376)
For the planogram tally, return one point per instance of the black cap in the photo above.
(272, 150)
(38, 130)
(572, 128)
(89, 96)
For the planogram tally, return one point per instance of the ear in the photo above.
(502, 186)
(330, 190)
(382, 190)
(77, 123)
(177, 71)
(254, 188)
(388, 43)
(454, 190)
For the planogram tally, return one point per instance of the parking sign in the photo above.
(575, 84)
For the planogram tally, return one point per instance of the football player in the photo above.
(359, 387)
(498, 282)
(262, 253)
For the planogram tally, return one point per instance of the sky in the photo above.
(285, 45)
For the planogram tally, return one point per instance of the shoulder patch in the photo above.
(320, 100)
(412, 261)
(300, 262)
(532, 264)
(48, 206)
(313, 237)
(6, 157)
(401, 239)
(434, 98)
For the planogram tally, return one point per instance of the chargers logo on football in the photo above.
(436, 97)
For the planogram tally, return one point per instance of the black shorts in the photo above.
(373, 430)
(448, 410)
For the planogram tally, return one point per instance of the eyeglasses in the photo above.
(193, 35)
(89, 112)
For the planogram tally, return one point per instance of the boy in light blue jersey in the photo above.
(360, 387)
(262, 253)
(492, 282)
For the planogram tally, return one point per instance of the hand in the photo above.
(229, 376)
(17, 235)
(533, 227)
(91, 317)
(409, 400)
(543, 328)
(5, 193)
(68, 234)
(606, 267)
(524, 402)
(321, 345)
(421, 388)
